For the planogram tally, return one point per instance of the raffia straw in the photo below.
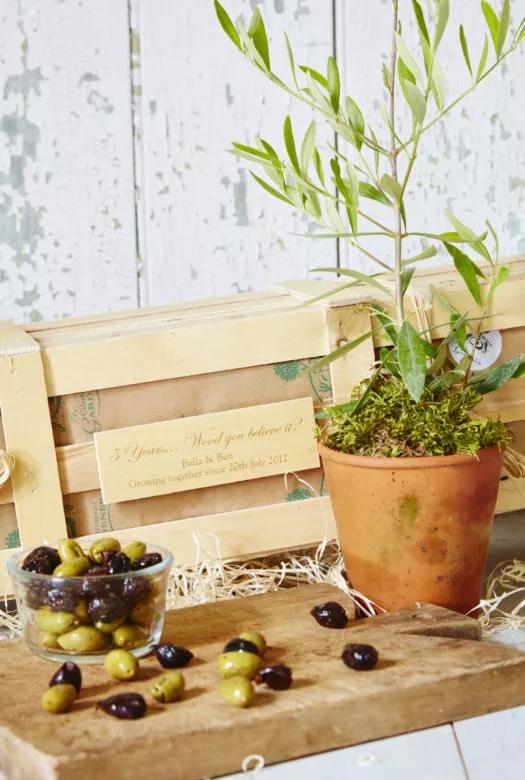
(503, 608)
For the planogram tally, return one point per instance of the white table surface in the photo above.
(490, 747)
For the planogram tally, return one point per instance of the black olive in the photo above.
(118, 564)
(124, 705)
(68, 674)
(172, 657)
(41, 560)
(93, 586)
(330, 615)
(360, 657)
(62, 599)
(107, 608)
(278, 677)
(146, 560)
(241, 646)
(136, 589)
(36, 595)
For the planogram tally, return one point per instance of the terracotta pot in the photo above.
(415, 529)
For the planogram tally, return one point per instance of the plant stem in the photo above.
(398, 268)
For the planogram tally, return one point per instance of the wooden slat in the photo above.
(195, 350)
(344, 325)
(492, 745)
(29, 438)
(244, 533)
(406, 757)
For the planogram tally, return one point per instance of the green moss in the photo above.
(389, 423)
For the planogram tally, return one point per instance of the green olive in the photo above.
(258, 640)
(75, 567)
(58, 698)
(55, 622)
(108, 628)
(84, 639)
(134, 550)
(48, 640)
(238, 664)
(81, 611)
(237, 691)
(121, 665)
(168, 687)
(144, 613)
(68, 550)
(129, 636)
(99, 546)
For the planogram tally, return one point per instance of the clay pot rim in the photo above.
(416, 462)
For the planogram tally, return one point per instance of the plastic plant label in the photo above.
(488, 349)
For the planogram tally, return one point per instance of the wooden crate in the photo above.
(218, 356)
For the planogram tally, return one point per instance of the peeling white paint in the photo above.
(110, 107)
(66, 175)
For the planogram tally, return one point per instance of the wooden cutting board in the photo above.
(425, 676)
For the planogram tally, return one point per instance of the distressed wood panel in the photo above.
(492, 745)
(67, 233)
(207, 228)
(473, 162)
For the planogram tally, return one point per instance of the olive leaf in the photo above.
(492, 23)
(429, 251)
(468, 235)
(369, 191)
(334, 84)
(421, 23)
(497, 377)
(468, 270)
(504, 22)
(409, 60)
(416, 100)
(365, 278)
(442, 20)
(464, 48)
(289, 143)
(483, 59)
(257, 32)
(308, 146)
(227, 24)
(356, 121)
(412, 360)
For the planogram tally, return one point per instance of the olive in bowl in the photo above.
(78, 603)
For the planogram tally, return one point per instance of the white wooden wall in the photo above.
(115, 187)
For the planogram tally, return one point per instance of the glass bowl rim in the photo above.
(17, 572)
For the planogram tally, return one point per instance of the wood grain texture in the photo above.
(420, 681)
(67, 232)
(463, 162)
(207, 227)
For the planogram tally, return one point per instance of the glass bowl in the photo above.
(84, 617)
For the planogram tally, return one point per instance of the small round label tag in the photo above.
(488, 349)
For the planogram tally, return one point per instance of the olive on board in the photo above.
(258, 640)
(58, 698)
(69, 674)
(134, 550)
(121, 664)
(100, 546)
(360, 657)
(124, 705)
(237, 691)
(129, 636)
(277, 677)
(55, 622)
(68, 550)
(168, 687)
(238, 664)
(83, 639)
(41, 560)
(74, 567)
(241, 646)
(330, 615)
(171, 656)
